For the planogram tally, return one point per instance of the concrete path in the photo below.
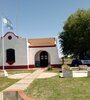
(19, 76)
(1, 95)
(47, 75)
(42, 75)
(25, 82)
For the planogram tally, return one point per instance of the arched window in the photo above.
(10, 56)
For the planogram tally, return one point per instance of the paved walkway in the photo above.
(25, 82)
(42, 75)
(1, 95)
(19, 76)
(26, 79)
(47, 75)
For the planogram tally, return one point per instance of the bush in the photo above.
(49, 68)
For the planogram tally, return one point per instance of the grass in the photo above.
(16, 71)
(55, 70)
(56, 88)
(6, 82)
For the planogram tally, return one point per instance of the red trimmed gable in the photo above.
(10, 33)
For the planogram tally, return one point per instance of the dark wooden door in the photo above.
(43, 59)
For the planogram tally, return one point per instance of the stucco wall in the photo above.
(20, 47)
(52, 52)
(24, 55)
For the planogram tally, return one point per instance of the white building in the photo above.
(28, 53)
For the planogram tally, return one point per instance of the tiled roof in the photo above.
(42, 42)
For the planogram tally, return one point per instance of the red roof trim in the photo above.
(56, 65)
(11, 33)
(41, 46)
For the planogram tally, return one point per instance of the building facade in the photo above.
(17, 52)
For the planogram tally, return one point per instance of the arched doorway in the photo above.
(43, 59)
(10, 56)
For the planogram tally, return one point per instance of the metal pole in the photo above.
(27, 54)
(2, 44)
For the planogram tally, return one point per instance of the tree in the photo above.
(75, 38)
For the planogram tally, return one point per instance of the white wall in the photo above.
(52, 51)
(20, 46)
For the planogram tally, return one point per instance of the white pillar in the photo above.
(27, 54)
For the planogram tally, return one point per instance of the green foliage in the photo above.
(75, 38)
(49, 68)
(55, 70)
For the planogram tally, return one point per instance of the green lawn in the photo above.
(55, 70)
(56, 88)
(6, 82)
(16, 71)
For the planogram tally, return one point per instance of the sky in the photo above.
(39, 18)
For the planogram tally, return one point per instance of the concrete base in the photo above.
(3, 73)
(80, 73)
(15, 95)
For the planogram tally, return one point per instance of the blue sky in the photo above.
(39, 18)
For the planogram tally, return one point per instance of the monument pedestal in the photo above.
(3, 73)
